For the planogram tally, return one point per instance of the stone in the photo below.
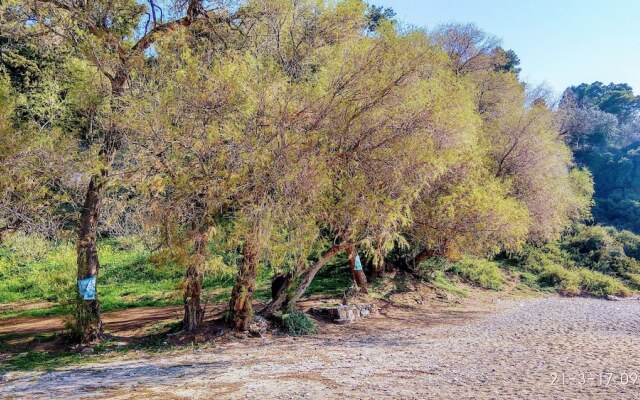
(87, 350)
(342, 314)
(258, 326)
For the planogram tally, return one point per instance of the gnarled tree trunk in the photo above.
(358, 274)
(242, 293)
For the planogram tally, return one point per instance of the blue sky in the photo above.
(559, 42)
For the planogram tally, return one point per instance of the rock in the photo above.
(87, 350)
(345, 313)
(258, 326)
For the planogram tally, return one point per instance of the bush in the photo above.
(634, 280)
(557, 276)
(483, 273)
(529, 279)
(601, 285)
(297, 323)
(431, 268)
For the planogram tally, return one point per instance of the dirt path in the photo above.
(513, 349)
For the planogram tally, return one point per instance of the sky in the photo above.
(559, 42)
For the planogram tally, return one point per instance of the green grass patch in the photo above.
(441, 281)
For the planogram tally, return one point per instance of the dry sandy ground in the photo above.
(516, 348)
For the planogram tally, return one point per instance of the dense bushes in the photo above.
(589, 259)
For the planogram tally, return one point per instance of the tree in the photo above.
(104, 34)
(470, 49)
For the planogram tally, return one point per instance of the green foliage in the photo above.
(433, 268)
(440, 280)
(589, 259)
(297, 323)
(483, 273)
(598, 284)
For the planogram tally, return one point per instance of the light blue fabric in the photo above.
(358, 266)
(87, 288)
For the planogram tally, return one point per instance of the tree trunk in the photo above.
(88, 321)
(358, 274)
(279, 291)
(193, 311)
(242, 293)
(311, 273)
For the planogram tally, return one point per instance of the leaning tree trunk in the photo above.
(242, 293)
(88, 321)
(193, 311)
(311, 273)
(358, 274)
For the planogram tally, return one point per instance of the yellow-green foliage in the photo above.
(599, 284)
(481, 272)
(566, 281)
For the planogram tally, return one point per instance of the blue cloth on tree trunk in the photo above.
(87, 288)
(358, 266)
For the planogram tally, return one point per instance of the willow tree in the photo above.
(114, 37)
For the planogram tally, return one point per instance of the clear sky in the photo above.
(559, 42)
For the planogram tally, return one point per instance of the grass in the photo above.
(334, 279)
(48, 361)
(40, 360)
(128, 277)
(442, 282)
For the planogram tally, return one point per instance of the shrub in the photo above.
(433, 267)
(555, 275)
(483, 273)
(297, 323)
(634, 280)
(529, 279)
(601, 285)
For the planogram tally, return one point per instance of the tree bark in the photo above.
(358, 274)
(193, 311)
(311, 273)
(242, 293)
(88, 321)
(279, 296)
